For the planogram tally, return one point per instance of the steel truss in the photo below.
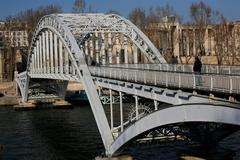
(60, 50)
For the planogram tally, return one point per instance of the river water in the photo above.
(69, 134)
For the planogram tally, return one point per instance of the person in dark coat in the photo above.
(197, 67)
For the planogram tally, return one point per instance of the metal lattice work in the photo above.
(143, 110)
(65, 45)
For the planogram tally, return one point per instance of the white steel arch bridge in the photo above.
(104, 51)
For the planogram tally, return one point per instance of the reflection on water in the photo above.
(72, 134)
(49, 134)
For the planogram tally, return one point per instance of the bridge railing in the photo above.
(208, 69)
(207, 82)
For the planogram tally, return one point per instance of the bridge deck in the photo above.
(213, 82)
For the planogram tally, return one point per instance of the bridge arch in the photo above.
(178, 114)
(71, 31)
(63, 33)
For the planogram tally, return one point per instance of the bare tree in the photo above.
(165, 13)
(201, 15)
(226, 45)
(26, 20)
(163, 19)
(113, 12)
(79, 6)
(219, 38)
(138, 17)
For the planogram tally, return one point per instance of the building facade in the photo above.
(12, 43)
(215, 44)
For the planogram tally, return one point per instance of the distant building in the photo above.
(11, 44)
(221, 42)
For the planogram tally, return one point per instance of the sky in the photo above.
(229, 8)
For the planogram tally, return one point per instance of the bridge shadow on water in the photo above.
(227, 149)
(181, 151)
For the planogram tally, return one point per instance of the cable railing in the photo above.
(229, 84)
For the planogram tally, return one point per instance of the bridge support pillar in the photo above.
(34, 60)
(66, 61)
(125, 50)
(86, 48)
(110, 48)
(96, 48)
(103, 56)
(117, 49)
(51, 53)
(47, 52)
(61, 56)
(56, 53)
(121, 111)
(136, 106)
(155, 105)
(39, 55)
(44, 52)
(25, 95)
(135, 54)
(91, 48)
(111, 110)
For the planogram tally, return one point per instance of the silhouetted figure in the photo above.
(197, 65)
(197, 70)
(93, 63)
(174, 60)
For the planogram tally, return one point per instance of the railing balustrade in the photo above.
(208, 82)
(207, 69)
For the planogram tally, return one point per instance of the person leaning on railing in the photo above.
(197, 70)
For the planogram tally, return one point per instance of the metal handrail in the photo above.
(186, 68)
(207, 82)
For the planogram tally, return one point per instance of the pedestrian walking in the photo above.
(197, 67)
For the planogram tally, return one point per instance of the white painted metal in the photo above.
(184, 113)
(103, 54)
(218, 83)
(121, 111)
(63, 33)
(155, 105)
(86, 48)
(39, 54)
(111, 110)
(43, 49)
(71, 32)
(91, 48)
(135, 54)
(110, 47)
(118, 48)
(136, 106)
(51, 52)
(188, 68)
(34, 60)
(47, 53)
(60, 57)
(66, 62)
(56, 53)
(96, 47)
(125, 50)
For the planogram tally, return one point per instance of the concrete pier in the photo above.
(43, 104)
(123, 157)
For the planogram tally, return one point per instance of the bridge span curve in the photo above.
(178, 114)
(64, 44)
